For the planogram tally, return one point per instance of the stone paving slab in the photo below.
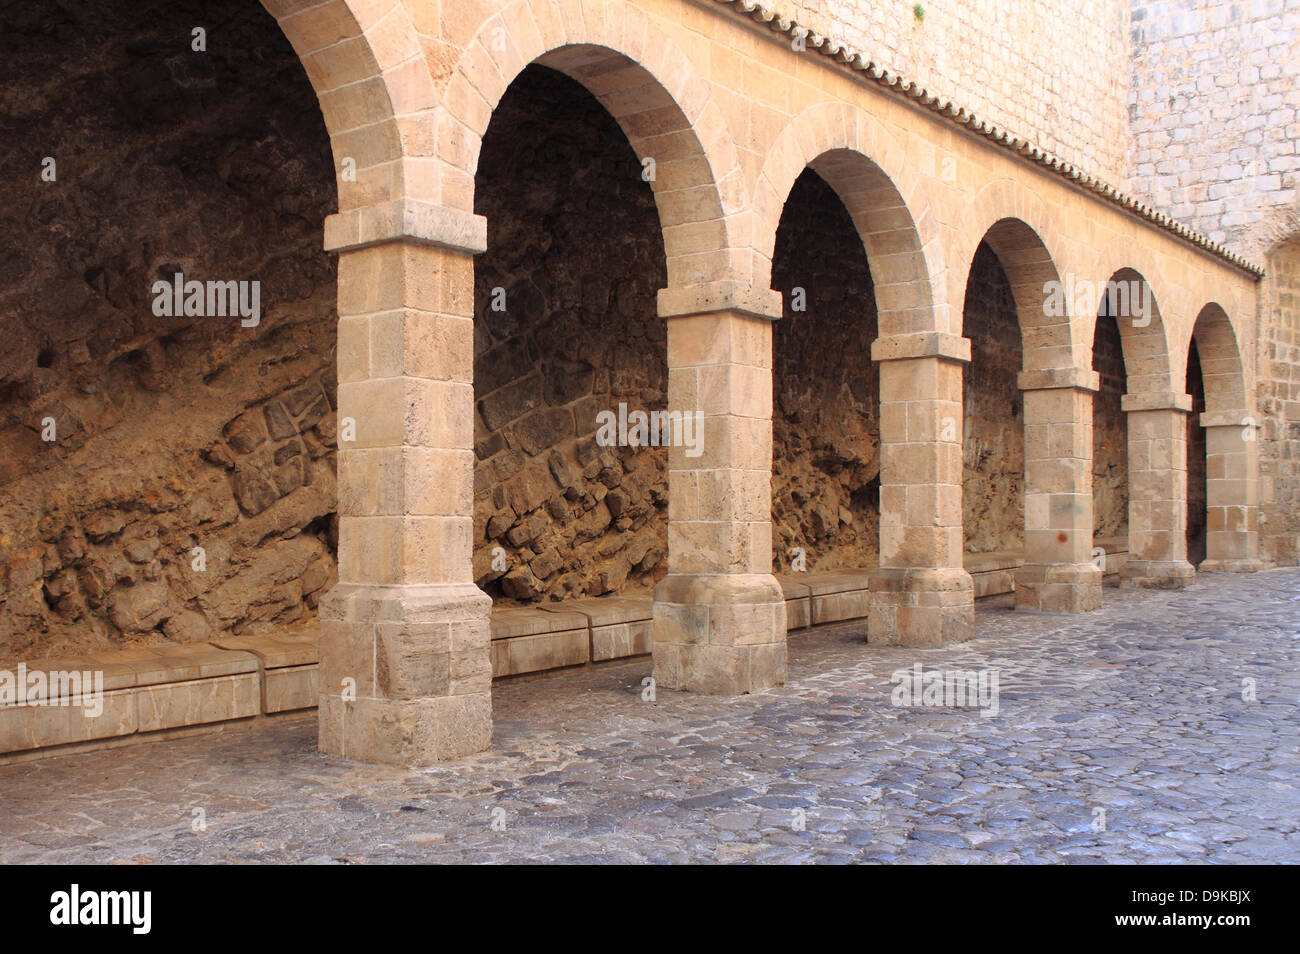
(1162, 728)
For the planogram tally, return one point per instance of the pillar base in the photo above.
(1157, 574)
(921, 607)
(1231, 566)
(1058, 587)
(719, 633)
(405, 673)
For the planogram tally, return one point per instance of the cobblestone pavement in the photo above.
(1135, 711)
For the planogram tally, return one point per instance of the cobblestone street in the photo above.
(1120, 736)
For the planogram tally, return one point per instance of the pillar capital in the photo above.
(1078, 379)
(406, 220)
(923, 344)
(683, 300)
(1156, 401)
(1240, 418)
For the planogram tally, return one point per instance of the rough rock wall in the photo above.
(576, 252)
(993, 457)
(826, 430)
(1109, 433)
(1196, 463)
(170, 433)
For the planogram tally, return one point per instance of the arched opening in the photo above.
(826, 405)
(1222, 450)
(917, 512)
(1196, 464)
(1109, 439)
(566, 331)
(177, 435)
(1156, 423)
(993, 453)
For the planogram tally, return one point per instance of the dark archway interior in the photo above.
(171, 433)
(826, 403)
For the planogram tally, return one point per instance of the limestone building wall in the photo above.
(1054, 73)
(1214, 119)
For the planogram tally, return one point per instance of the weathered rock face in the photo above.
(1196, 462)
(1109, 433)
(993, 485)
(566, 327)
(169, 434)
(826, 430)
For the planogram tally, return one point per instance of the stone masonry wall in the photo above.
(993, 485)
(1051, 72)
(171, 433)
(1279, 404)
(1214, 117)
(826, 413)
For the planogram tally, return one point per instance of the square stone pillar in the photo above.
(1232, 488)
(1058, 574)
(921, 595)
(719, 614)
(1157, 504)
(405, 670)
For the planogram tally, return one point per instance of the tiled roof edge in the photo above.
(960, 116)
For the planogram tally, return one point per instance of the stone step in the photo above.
(146, 690)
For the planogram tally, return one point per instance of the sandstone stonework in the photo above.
(548, 209)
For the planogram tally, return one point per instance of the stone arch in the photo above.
(1222, 461)
(1018, 226)
(1143, 336)
(374, 88)
(869, 171)
(1222, 368)
(650, 87)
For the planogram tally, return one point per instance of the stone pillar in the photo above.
(1157, 505)
(405, 672)
(1232, 474)
(921, 595)
(719, 614)
(1058, 574)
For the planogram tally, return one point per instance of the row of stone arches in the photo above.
(719, 615)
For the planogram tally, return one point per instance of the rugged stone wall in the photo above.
(993, 456)
(1196, 463)
(1109, 432)
(171, 433)
(1055, 73)
(574, 246)
(826, 413)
